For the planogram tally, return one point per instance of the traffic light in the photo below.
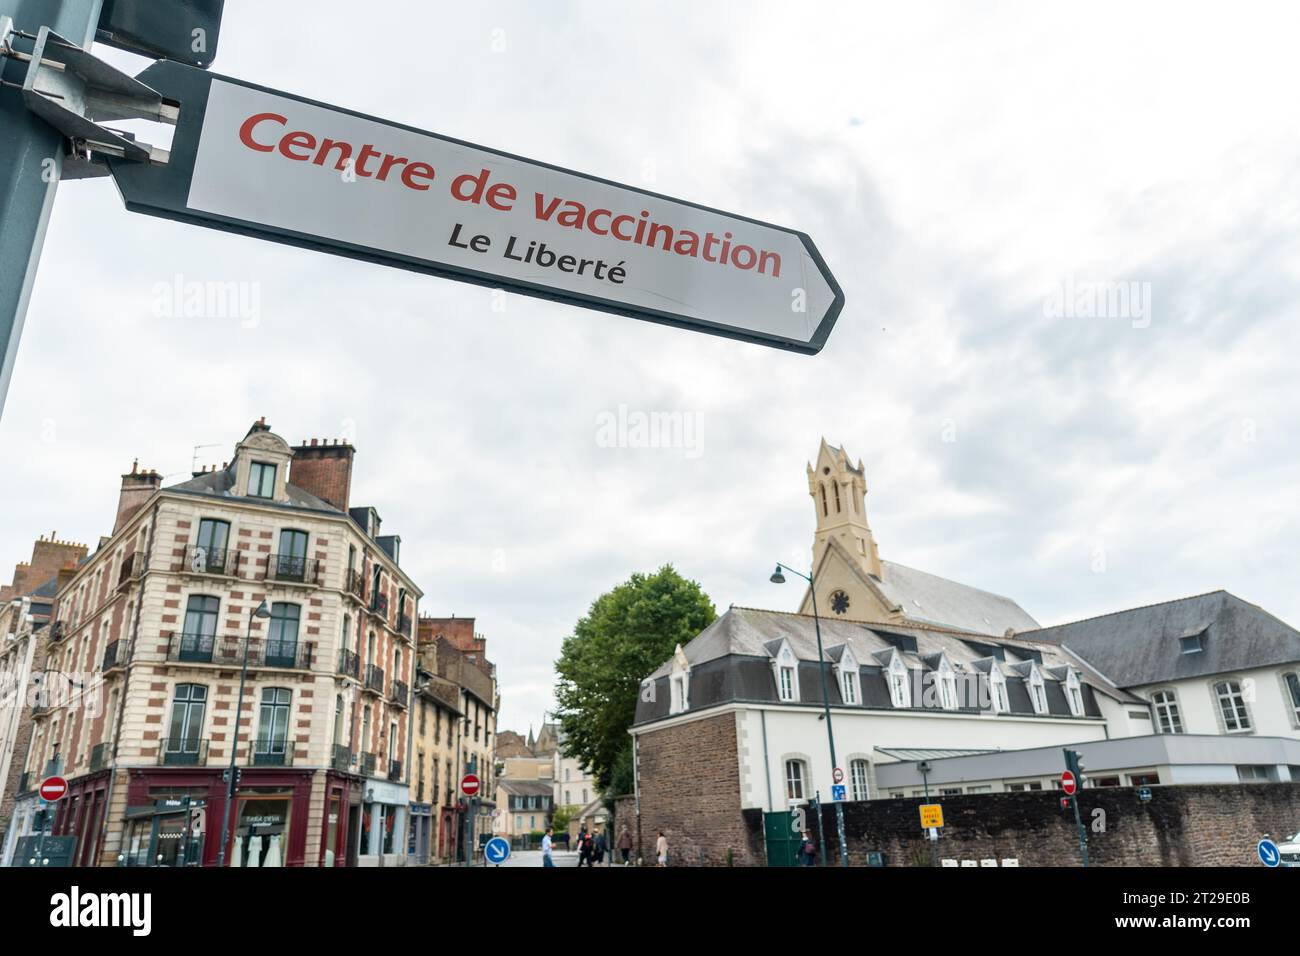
(1074, 764)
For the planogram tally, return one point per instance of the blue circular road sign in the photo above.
(1268, 854)
(497, 850)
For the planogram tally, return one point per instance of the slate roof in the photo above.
(525, 788)
(929, 598)
(219, 483)
(1141, 645)
(731, 661)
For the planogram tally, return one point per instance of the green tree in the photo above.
(626, 634)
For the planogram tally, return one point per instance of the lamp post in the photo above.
(263, 612)
(779, 578)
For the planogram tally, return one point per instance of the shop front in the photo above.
(173, 818)
(341, 821)
(420, 839)
(384, 808)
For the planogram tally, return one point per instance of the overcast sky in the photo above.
(958, 165)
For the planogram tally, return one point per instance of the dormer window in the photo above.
(261, 480)
(846, 671)
(1191, 644)
(1073, 694)
(679, 683)
(899, 692)
(849, 683)
(785, 667)
(1037, 694)
(946, 678)
(678, 703)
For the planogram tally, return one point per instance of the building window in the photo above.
(950, 791)
(261, 480)
(1232, 706)
(1147, 778)
(291, 562)
(282, 637)
(898, 690)
(1037, 695)
(188, 705)
(1256, 773)
(825, 510)
(1292, 682)
(947, 681)
(836, 486)
(273, 726)
(210, 548)
(200, 624)
(858, 776)
(338, 719)
(850, 687)
(1191, 645)
(796, 774)
(787, 682)
(998, 691)
(1168, 718)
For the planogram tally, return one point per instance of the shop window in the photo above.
(262, 830)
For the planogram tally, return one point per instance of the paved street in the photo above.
(534, 858)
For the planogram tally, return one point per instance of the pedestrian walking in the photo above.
(584, 846)
(546, 848)
(661, 849)
(625, 843)
(807, 850)
(599, 847)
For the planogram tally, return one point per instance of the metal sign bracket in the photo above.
(73, 90)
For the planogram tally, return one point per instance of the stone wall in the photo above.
(1201, 825)
(690, 788)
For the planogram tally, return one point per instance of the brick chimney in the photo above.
(49, 557)
(137, 488)
(324, 469)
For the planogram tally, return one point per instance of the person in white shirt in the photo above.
(546, 849)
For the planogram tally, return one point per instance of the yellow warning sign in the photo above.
(931, 815)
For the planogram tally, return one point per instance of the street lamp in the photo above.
(263, 612)
(779, 578)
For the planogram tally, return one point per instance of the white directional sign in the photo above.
(252, 160)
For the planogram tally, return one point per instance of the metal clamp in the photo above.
(73, 90)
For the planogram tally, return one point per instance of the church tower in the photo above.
(839, 491)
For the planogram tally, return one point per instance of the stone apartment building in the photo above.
(455, 734)
(151, 630)
(25, 606)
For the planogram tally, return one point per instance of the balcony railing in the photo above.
(111, 656)
(272, 753)
(186, 752)
(400, 693)
(341, 758)
(394, 770)
(349, 664)
(404, 624)
(98, 757)
(292, 568)
(374, 678)
(367, 765)
(135, 565)
(379, 605)
(223, 561)
(229, 651)
(356, 584)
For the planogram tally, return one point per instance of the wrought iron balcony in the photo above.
(356, 584)
(272, 753)
(375, 678)
(400, 694)
(292, 568)
(367, 765)
(191, 648)
(379, 605)
(349, 664)
(184, 752)
(98, 757)
(223, 561)
(133, 567)
(394, 770)
(111, 657)
(341, 758)
(229, 651)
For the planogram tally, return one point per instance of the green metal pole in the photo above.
(31, 163)
(830, 734)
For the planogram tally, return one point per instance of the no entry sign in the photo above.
(53, 788)
(268, 164)
(469, 785)
(1068, 783)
